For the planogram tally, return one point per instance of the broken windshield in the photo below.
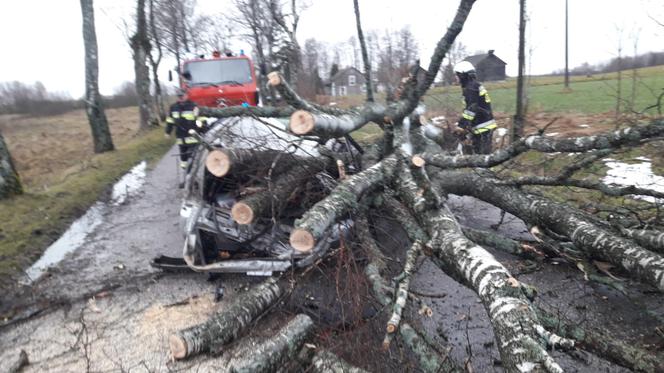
(234, 71)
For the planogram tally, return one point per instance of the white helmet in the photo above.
(464, 67)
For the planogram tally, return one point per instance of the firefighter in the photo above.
(477, 119)
(183, 116)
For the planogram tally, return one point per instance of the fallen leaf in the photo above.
(582, 269)
(604, 267)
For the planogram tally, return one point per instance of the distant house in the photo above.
(488, 66)
(348, 81)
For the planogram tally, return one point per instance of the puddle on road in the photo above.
(129, 184)
(637, 174)
(77, 233)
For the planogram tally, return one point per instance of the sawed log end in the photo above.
(218, 163)
(242, 213)
(302, 240)
(301, 122)
(178, 347)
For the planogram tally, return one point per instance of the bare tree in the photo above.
(566, 44)
(155, 55)
(10, 184)
(519, 116)
(140, 46)
(101, 135)
(365, 53)
(258, 25)
(287, 19)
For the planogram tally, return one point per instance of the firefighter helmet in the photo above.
(464, 67)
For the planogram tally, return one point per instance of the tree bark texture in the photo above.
(236, 111)
(615, 139)
(344, 198)
(603, 344)
(327, 362)
(224, 326)
(140, 46)
(650, 239)
(94, 107)
(365, 55)
(519, 116)
(515, 324)
(10, 183)
(275, 352)
(597, 242)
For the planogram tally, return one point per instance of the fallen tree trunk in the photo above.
(273, 200)
(224, 162)
(650, 239)
(237, 111)
(344, 198)
(275, 352)
(603, 344)
(227, 324)
(327, 362)
(595, 241)
(616, 139)
(514, 322)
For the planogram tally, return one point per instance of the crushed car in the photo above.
(214, 241)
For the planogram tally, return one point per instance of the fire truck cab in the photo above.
(220, 81)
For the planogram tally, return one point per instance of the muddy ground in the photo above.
(105, 309)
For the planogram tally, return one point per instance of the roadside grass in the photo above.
(64, 192)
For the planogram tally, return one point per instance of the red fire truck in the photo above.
(219, 81)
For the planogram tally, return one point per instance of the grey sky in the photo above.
(42, 38)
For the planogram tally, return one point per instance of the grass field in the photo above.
(588, 94)
(62, 177)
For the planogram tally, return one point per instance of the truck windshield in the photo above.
(219, 71)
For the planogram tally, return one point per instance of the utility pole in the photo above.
(566, 46)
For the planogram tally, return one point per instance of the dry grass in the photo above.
(49, 149)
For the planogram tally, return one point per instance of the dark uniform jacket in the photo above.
(183, 117)
(477, 116)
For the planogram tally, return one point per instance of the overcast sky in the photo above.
(42, 39)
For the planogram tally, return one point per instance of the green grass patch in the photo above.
(588, 94)
(35, 219)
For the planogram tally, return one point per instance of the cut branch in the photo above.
(402, 289)
(616, 139)
(325, 362)
(293, 99)
(275, 352)
(307, 122)
(344, 198)
(225, 326)
(264, 203)
(238, 111)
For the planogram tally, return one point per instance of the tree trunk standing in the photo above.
(517, 125)
(154, 63)
(10, 184)
(566, 45)
(140, 46)
(101, 135)
(365, 55)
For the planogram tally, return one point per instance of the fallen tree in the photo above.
(409, 175)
